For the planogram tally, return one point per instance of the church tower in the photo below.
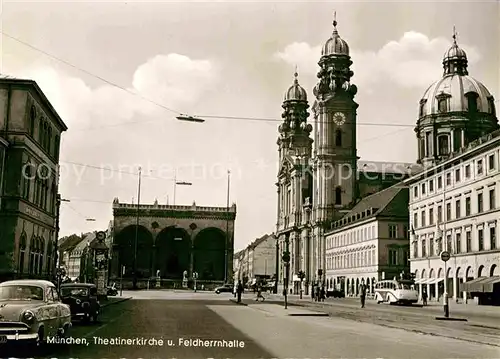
(335, 156)
(294, 179)
(455, 110)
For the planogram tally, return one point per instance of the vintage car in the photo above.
(226, 288)
(31, 311)
(82, 300)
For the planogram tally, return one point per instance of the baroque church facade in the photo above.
(320, 176)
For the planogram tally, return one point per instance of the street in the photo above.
(262, 330)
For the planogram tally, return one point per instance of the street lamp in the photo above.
(187, 118)
(227, 225)
(137, 229)
(286, 260)
(179, 183)
(56, 241)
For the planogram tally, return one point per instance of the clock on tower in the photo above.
(339, 118)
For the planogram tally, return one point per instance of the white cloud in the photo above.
(414, 61)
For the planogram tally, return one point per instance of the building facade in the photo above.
(171, 240)
(370, 243)
(320, 179)
(454, 201)
(30, 129)
(257, 260)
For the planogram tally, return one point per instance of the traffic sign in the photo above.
(195, 275)
(100, 236)
(445, 256)
(286, 257)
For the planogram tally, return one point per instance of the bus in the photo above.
(396, 292)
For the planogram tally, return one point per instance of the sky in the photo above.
(119, 73)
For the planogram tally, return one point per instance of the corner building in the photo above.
(454, 204)
(319, 184)
(30, 132)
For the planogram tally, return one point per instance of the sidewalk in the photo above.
(113, 300)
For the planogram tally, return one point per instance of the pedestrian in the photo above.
(362, 295)
(259, 293)
(322, 294)
(312, 292)
(239, 290)
(424, 297)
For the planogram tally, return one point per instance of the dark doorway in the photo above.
(173, 252)
(209, 254)
(126, 251)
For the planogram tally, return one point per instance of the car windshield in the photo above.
(405, 286)
(74, 291)
(21, 292)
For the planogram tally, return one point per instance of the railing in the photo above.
(175, 207)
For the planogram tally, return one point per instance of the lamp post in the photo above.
(227, 226)
(445, 254)
(277, 269)
(286, 260)
(58, 273)
(137, 229)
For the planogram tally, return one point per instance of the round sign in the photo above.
(101, 235)
(445, 256)
(195, 275)
(286, 257)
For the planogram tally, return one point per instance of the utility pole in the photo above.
(227, 226)
(55, 267)
(137, 229)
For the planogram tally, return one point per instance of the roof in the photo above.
(389, 167)
(35, 282)
(9, 80)
(259, 240)
(69, 243)
(390, 202)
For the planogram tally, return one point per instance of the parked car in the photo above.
(335, 293)
(82, 300)
(226, 288)
(31, 311)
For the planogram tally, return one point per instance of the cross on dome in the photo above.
(296, 75)
(454, 35)
(334, 19)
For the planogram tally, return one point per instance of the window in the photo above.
(457, 209)
(457, 175)
(32, 119)
(338, 138)
(448, 179)
(439, 245)
(480, 239)
(422, 218)
(467, 171)
(424, 248)
(479, 203)
(442, 105)
(457, 140)
(468, 241)
(491, 103)
(41, 256)
(49, 257)
(440, 182)
(393, 257)
(479, 167)
(26, 180)
(492, 199)
(22, 252)
(431, 216)
(448, 211)
(415, 220)
(415, 249)
(440, 214)
(443, 145)
(428, 144)
(491, 162)
(405, 259)
(415, 192)
(393, 231)
(493, 238)
(431, 247)
(56, 147)
(472, 101)
(431, 185)
(49, 141)
(423, 188)
(338, 196)
(449, 246)
(458, 244)
(467, 206)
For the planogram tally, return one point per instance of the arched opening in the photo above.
(338, 196)
(480, 271)
(494, 270)
(444, 144)
(472, 101)
(126, 240)
(338, 138)
(210, 254)
(22, 252)
(173, 252)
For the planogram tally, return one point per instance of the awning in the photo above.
(480, 285)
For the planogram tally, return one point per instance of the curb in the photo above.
(115, 302)
(319, 314)
(452, 319)
(236, 302)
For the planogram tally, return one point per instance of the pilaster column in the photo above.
(452, 140)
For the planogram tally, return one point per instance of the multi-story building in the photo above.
(237, 265)
(30, 129)
(454, 204)
(319, 185)
(258, 259)
(66, 248)
(369, 243)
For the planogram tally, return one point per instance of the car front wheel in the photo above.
(217, 292)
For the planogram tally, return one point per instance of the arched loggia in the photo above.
(173, 252)
(210, 254)
(128, 250)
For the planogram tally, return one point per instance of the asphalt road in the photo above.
(155, 320)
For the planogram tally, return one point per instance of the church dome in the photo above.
(335, 45)
(295, 92)
(456, 93)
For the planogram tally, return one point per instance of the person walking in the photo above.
(362, 295)
(322, 294)
(239, 290)
(259, 293)
(424, 297)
